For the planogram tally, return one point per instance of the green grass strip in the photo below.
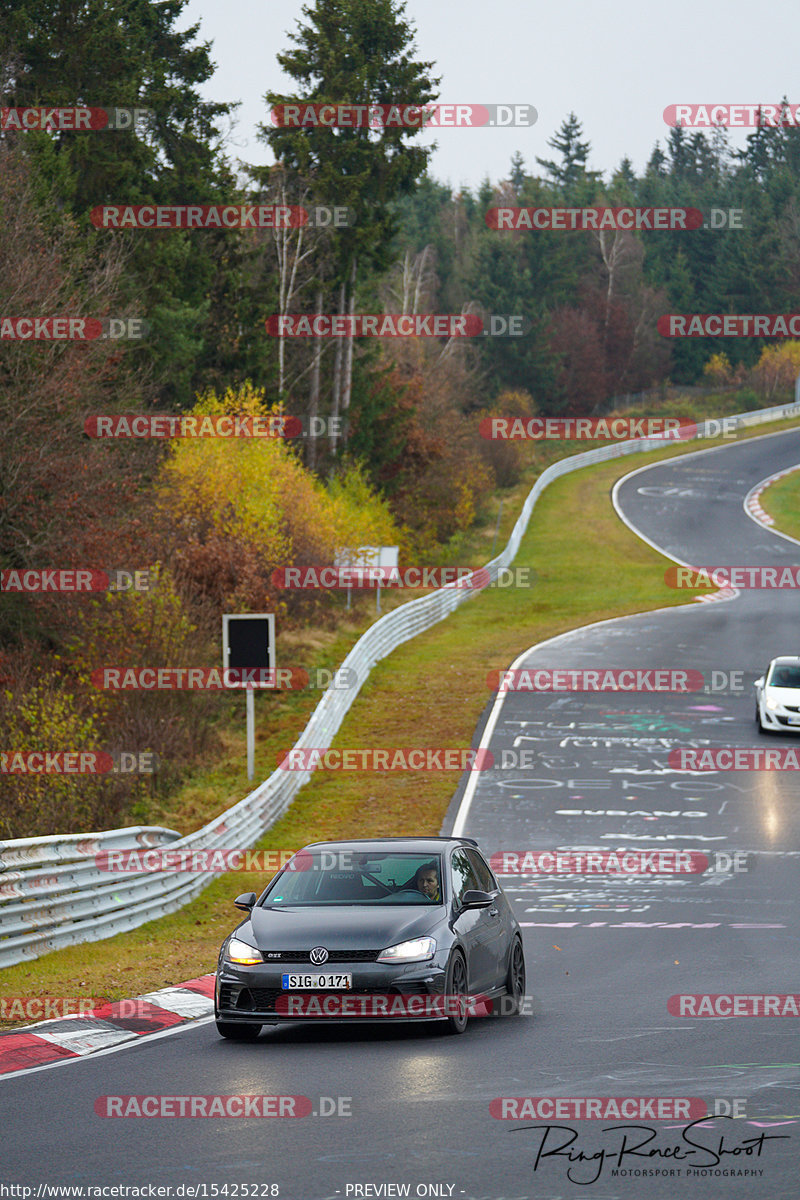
(781, 500)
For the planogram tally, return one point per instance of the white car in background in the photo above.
(778, 695)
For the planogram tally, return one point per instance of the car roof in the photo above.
(794, 659)
(418, 845)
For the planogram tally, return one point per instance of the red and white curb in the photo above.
(725, 593)
(70, 1037)
(752, 501)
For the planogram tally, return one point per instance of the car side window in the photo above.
(464, 877)
(486, 880)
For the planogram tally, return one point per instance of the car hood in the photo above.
(339, 927)
(784, 695)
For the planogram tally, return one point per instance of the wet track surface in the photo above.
(604, 954)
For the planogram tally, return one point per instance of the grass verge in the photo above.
(782, 501)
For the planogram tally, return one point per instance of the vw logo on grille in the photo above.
(319, 955)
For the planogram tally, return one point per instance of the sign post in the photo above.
(387, 560)
(364, 557)
(251, 732)
(248, 645)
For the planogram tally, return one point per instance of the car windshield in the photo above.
(782, 675)
(350, 877)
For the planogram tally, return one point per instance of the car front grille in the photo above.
(334, 956)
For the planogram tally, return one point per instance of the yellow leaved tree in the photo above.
(777, 369)
(244, 507)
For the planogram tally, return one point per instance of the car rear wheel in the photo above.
(238, 1031)
(456, 989)
(515, 981)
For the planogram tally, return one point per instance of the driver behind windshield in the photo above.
(426, 881)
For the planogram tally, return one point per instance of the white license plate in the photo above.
(316, 982)
(794, 720)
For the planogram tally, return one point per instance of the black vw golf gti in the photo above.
(388, 929)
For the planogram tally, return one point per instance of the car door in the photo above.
(499, 930)
(471, 924)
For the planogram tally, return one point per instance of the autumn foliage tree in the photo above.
(242, 508)
(65, 499)
(776, 371)
(430, 464)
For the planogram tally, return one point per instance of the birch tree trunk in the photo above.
(313, 400)
(290, 254)
(337, 378)
(347, 385)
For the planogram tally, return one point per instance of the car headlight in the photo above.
(771, 702)
(417, 950)
(239, 952)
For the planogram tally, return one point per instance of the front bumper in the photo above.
(254, 994)
(780, 718)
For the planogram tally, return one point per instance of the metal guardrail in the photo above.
(53, 893)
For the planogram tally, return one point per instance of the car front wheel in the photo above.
(456, 990)
(515, 981)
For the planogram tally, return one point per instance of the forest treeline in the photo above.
(400, 460)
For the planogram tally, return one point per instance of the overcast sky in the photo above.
(616, 65)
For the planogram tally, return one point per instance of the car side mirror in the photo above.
(759, 682)
(472, 898)
(245, 901)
